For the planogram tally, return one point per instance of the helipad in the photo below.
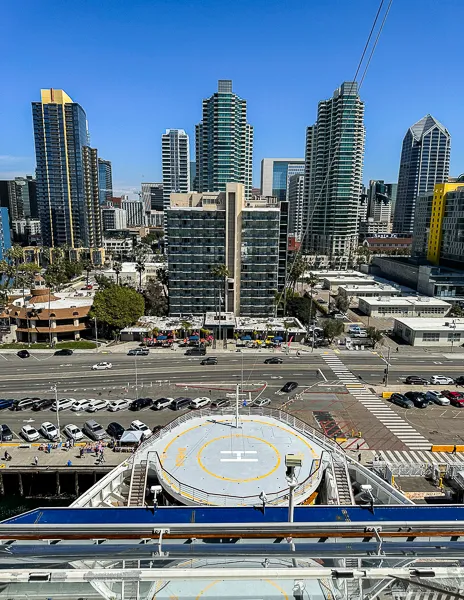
(210, 460)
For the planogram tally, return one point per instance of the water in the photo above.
(12, 504)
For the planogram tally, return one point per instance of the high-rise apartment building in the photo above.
(175, 154)
(379, 201)
(221, 228)
(333, 173)
(105, 180)
(113, 218)
(295, 205)
(19, 195)
(65, 194)
(424, 162)
(5, 237)
(136, 214)
(224, 142)
(276, 173)
(422, 215)
(152, 196)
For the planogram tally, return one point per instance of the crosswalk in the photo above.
(420, 457)
(375, 405)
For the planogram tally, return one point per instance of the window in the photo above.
(430, 337)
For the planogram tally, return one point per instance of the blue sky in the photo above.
(139, 67)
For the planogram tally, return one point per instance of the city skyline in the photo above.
(279, 117)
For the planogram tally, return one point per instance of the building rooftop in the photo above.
(406, 301)
(269, 324)
(356, 289)
(212, 319)
(433, 324)
(57, 300)
(169, 323)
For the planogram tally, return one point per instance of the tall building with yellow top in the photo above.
(67, 173)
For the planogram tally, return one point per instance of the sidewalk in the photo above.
(24, 457)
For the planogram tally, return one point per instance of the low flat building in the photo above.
(129, 274)
(417, 331)
(287, 329)
(405, 306)
(368, 291)
(389, 245)
(333, 282)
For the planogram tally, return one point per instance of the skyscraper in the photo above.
(424, 162)
(224, 142)
(333, 173)
(295, 202)
(380, 202)
(135, 211)
(105, 180)
(152, 196)
(276, 173)
(175, 153)
(5, 237)
(65, 200)
(19, 195)
(90, 224)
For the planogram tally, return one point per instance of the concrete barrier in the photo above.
(387, 394)
(445, 448)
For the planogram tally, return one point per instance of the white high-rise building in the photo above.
(276, 173)
(113, 218)
(176, 163)
(295, 195)
(135, 210)
(333, 175)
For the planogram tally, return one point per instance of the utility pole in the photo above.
(55, 389)
(136, 379)
(96, 335)
(453, 326)
(237, 400)
(387, 369)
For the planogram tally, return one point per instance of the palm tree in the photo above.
(117, 268)
(287, 325)
(187, 327)
(6, 270)
(311, 281)
(87, 266)
(220, 273)
(15, 255)
(140, 268)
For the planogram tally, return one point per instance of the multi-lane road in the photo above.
(163, 374)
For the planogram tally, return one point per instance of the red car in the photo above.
(455, 398)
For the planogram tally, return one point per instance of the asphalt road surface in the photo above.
(163, 374)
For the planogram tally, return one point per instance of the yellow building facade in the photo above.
(436, 219)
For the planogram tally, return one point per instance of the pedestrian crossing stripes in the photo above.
(375, 405)
(408, 457)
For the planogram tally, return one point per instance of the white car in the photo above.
(118, 405)
(73, 432)
(441, 380)
(200, 402)
(102, 366)
(49, 431)
(29, 433)
(261, 402)
(139, 426)
(63, 404)
(80, 405)
(162, 403)
(97, 405)
(437, 397)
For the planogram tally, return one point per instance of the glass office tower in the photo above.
(105, 180)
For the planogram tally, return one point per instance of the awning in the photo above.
(194, 337)
(162, 337)
(131, 437)
(246, 337)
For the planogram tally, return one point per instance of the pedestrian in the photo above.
(36, 460)
(397, 348)
(69, 463)
(81, 452)
(102, 457)
(49, 448)
(357, 446)
(359, 456)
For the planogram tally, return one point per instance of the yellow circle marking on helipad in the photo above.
(227, 437)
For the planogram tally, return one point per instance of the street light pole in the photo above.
(136, 378)
(453, 334)
(55, 388)
(387, 367)
(96, 335)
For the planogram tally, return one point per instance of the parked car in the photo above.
(139, 426)
(6, 435)
(200, 402)
(49, 431)
(455, 398)
(23, 354)
(96, 405)
(161, 403)
(140, 403)
(359, 334)
(42, 404)
(416, 380)
(275, 360)
(79, 405)
(195, 352)
(94, 430)
(419, 399)
(138, 352)
(115, 430)
(441, 380)
(63, 404)
(73, 432)
(29, 433)
(220, 403)
(211, 360)
(401, 400)
(261, 402)
(102, 366)
(64, 352)
(437, 397)
(23, 404)
(118, 405)
(6, 403)
(180, 403)
(459, 380)
(289, 387)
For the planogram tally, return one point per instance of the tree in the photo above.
(117, 268)
(7, 271)
(140, 268)
(117, 307)
(297, 269)
(332, 328)
(301, 307)
(87, 266)
(163, 278)
(155, 301)
(456, 311)
(375, 334)
(15, 255)
(104, 282)
(342, 303)
(220, 273)
(186, 327)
